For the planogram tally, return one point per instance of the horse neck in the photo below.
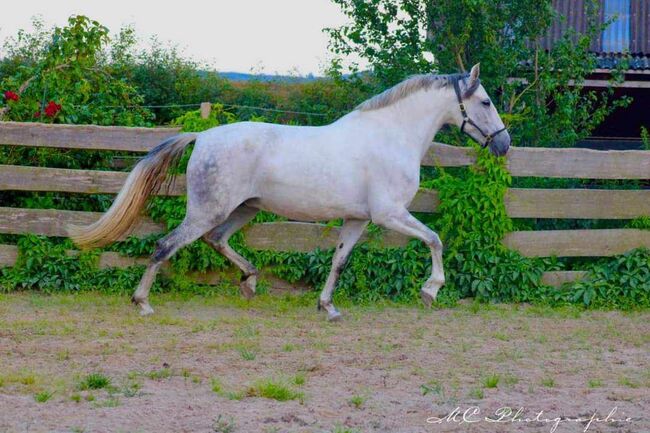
(421, 115)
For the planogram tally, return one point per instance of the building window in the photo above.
(616, 37)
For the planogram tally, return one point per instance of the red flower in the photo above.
(52, 108)
(11, 96)
(37, 115)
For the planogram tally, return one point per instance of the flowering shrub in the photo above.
(11, 96)
(68, 67)
(52, 109)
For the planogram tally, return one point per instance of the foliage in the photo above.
(538, 91)
(622, 282)
(63, 77)
(477, 264)
(645, 138)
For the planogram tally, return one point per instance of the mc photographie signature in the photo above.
(506, 414)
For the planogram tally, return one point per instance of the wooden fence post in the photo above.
(206, 107)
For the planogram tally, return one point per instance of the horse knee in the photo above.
(435, 242)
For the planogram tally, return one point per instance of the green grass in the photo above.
(217, 386)
(94, 381)
(626, 381)
(357, 401)
(548, 382)
(43, 396)
(491, 381)
(163, 373)
(477, 393)
(594, 383)
(433, 386)
(299, 379)
(273, 390)
(247, 355)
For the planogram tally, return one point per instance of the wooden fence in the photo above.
(520, 203)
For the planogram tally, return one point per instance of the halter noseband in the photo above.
(466, 119)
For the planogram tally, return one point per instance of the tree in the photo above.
(63, 75)
(539, 92)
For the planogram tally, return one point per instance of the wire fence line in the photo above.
(252, 107)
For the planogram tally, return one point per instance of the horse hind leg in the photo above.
(187, 232)
(351, 231)
(218, 237)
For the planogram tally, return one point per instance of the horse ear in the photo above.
(474, 73)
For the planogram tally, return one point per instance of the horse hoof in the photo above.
(334, 316)
(145, 310)
(247, 287)
(427, 299)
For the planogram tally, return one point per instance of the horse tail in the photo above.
(145, 179)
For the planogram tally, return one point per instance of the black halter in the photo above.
(466, 119)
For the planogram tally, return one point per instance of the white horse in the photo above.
(363, 167)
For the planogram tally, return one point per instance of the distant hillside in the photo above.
(240, 76)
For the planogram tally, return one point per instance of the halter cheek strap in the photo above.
(466, 119)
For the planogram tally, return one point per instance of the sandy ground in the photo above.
(194, 366)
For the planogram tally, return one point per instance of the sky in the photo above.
(261, 36)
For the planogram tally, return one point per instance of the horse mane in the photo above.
(412, 85)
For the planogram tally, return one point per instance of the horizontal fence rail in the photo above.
(295, 236)
(521, 161)
(520, 202)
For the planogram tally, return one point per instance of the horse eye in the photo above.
(486, 102)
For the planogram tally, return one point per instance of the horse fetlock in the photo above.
(429, 291)
(333, 314)
(247, 286)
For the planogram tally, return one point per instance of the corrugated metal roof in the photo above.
(629, 32)
(640, 27)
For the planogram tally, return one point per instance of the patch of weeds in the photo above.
(299, 379)
(247, 331)
(247, 354)
(477, 393)
(432, 386)
(27, 379)
(340, 429)
(63, 355)
(510, 379)
(43, 396)
(76, 398)
(273, 390)
(357, 401)
(94, 381)
(77, 430)
(131, 389)
(90, 397)
(163, 373)
(288, 348)
(2, 381)
(235, 395)
(112, 401)
(548, 382)
(491, 381)
(223, 425)
(594, 383)
(501, 336)
(217, 386)
(626, 381)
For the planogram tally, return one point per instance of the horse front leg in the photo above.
(403, 222)
(351, 231)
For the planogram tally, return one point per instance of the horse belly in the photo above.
(299, 202)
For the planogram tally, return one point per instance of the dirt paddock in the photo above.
(89, 363)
